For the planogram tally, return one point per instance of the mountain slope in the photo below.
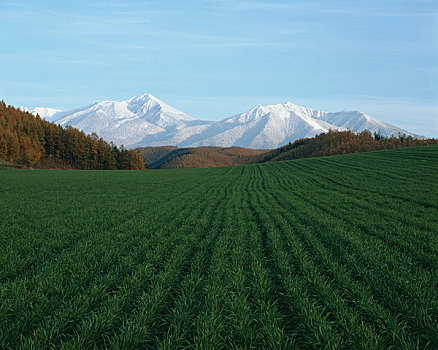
(266, 127)
(358, 121)
(43, 112)
(146, 121)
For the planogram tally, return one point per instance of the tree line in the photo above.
(340, 142)
(30, 141)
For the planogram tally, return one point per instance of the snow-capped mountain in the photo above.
(126, 122)
(44, 112)
(146, 121)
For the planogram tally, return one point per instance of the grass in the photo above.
(333, 252)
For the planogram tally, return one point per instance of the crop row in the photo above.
(334, 252)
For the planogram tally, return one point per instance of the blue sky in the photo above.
(214, 59)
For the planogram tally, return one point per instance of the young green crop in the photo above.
(333, 252)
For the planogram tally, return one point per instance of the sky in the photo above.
(213, 59)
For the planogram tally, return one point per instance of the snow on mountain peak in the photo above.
(259, 109)
(43, 112)
(143, 98)
(144, 120)
(156, 111)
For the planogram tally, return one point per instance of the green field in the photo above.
(335, 252)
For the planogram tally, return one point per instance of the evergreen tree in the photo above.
(31, 141)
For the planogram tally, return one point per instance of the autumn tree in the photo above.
(32, 141)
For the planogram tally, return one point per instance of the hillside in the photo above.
(169, 157)
(337, 252)
(339, 142)
(29, 141)
(330, 143)
(145, 121)
(152, 154)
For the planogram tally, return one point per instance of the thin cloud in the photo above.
(330, 8)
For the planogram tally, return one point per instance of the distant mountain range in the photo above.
(146, 121)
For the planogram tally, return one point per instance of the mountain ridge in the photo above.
(144, 120)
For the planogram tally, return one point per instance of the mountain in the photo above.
(126, 122)
(44, 112)
(146, 121)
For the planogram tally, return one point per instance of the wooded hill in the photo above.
(30, 141)
(331, 143)
(170, 157)
(339, 142)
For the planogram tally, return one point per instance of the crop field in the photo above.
(332, 252)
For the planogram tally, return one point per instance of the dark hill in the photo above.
(169, 157)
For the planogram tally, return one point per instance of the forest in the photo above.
(31, 142)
